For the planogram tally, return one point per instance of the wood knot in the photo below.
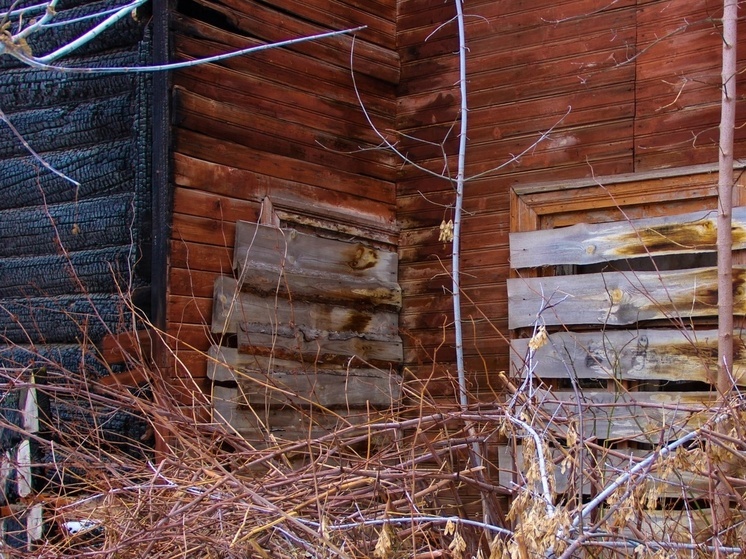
(365, 258)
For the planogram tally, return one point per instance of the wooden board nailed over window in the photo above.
(313, 329)
(629, 307)
(626, 320)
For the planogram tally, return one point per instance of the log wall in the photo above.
(67, 254)
(630, 88)
(285, 125)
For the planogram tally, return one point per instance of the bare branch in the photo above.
(31, 150)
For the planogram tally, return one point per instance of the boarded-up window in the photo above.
(621, 273)
(311, 333)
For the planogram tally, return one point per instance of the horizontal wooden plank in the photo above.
(270, 167)
(190, 256)
(232, 306)
(191, 283)
(321, 348)
(648, 417)
(690, 175)
(672, 483)
(303, 253)
(272, 426)
(188, 309)
(280, 69)
(353, 214)
(350, 389)
(672, 355)
(619, 298)
(242, 125)
(270, 25)
(131, 378)
(127, 347)
(379, 20)
(331, 288)
(264, 381)
(287, 103)
(191, 337)
(203, 200)
(208, 230)
(227, 364)
(592, 243)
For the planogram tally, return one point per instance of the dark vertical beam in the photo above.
(161, 201)
(161, 165)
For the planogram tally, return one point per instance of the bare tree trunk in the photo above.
(490, 509)
(725, 200)
(721, 502)
(456, 248)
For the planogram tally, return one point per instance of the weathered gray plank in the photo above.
(591, 243)
(673, 483)
(357, 223)
(231, 306)
(620, 298)
(270, 426)
(670, 354)
(309, 254)
(226, 364)
(344, 289)
(650, 417)
(321, 348)
(263, 381)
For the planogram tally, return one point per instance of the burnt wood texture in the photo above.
(67, 253)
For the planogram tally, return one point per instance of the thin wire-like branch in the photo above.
(34, 63)
(457, 207)
(514, 158)
(385, 141)
(33, 153)
(91, 34)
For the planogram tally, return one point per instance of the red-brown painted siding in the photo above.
(631, 86)
(638, 83)
(277, 123)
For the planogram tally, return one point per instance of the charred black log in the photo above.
(27, 88)
(71, 361)
(68, 126)
(126, 32)
(85, 225)
(37, 320)
(92, 271)
(102, 169)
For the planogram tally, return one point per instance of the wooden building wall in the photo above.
(630, 87)
(67, 254)
(283, 124)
